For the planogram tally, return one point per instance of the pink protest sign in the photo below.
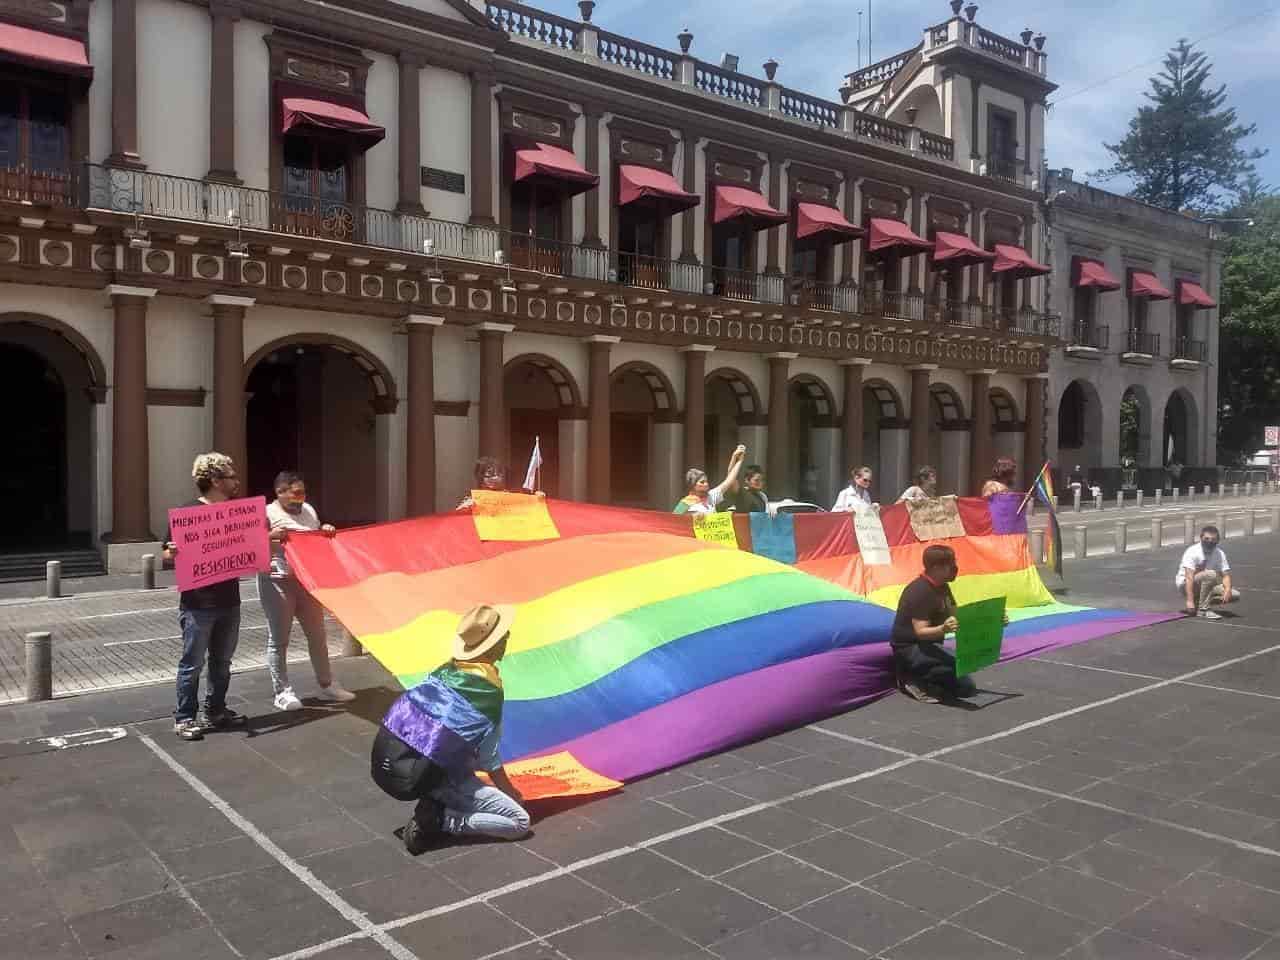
(219, 541)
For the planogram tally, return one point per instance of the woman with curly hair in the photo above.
(1002, 476)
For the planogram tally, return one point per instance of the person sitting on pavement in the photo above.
(856, 497)
(284, 599)
(752, 497)
(1002, 477)
(451, 723)
(489, 474)
(209, 618)
(926, 614)
(925, 487)
(1204, 575)
(702, 498)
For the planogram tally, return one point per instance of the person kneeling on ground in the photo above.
(926, 614)
(1204, 575)
(438, 734)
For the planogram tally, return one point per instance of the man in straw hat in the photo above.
(440, 733)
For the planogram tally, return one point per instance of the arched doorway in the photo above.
(948, 439)
(50, 381)
(1181, 430)
(640, 399)
(882, 411)
(539, 392)
(1006, 428)
(1135, 434)
(313, 407)
(815, 442)
(733, 416)
(1079, 427)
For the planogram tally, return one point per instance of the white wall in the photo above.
(173, 87)
(253, 105)
(176, 436)
(446, 139)
(100, 89)
(382, 162)
(179, 343)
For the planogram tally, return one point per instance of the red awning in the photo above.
(638, 184)
(1092, 273)
(1145, 285)
(302, 115)
(957, 250)
(814, 219)
(554, 163)
(46, 50)
(1016, 261)
(1191, 294)
(889, 234)
(739, 203)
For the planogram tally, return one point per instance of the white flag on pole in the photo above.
(535, 464)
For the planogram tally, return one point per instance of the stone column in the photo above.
(222, 100)
(493, 409)
(688, 245)
(980, 445)
(420, 449)
(124, 85)
(228, 377)
(774, 265)
(482, 147)
(1033, 438)
(920, 413)
(130, 444)
(599, 448)
(778, 468)
(591, 234)
(695, 405)
(410, 116)
(852, 430)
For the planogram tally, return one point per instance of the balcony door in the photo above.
(641, 235)
(1002, 143)
(317, 187)
(35, 139)
(1085, 302)
(537, 212)
(732, 260)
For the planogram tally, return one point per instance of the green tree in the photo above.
(1249, 343)
(1184, 149)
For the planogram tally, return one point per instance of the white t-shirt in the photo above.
(853, 499)
(1193, 559)
(278, 517)
(913, 492)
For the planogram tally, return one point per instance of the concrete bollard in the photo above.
(1208, 490)
(1235, 489)
(1157, 533)
(1119, 499)
(1248, 489)
(1037, 545)
(1175, 494)
(1055, 501)
(39, 649)
(1275, 520)
(1188, 528)
(1097, 502)
(351, 647)
(1082, 542)
(1139, 499)
(1159, 497)
(53, 579)
(1122, 536)
(1191, 494)
(148, 571)
(1248, 523)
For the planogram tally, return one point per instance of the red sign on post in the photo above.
(219, 541)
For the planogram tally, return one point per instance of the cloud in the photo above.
(816, 41)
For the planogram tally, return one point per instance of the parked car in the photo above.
(795, 506)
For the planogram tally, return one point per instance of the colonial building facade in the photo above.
(1134, 389)
(374, 240)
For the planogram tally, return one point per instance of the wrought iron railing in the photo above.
(893, 305)
(744, 285)
(728, 84)
(1082, 333)
(1184, 348)
(812, 294)
(538, 25)
(1003, 167)
(1028, 322)
(634, 55)
(801, 106)
(1142, 342)
(958, 313)
(657, 273)
(54, 186)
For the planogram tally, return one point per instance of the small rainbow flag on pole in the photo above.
(1042, 490)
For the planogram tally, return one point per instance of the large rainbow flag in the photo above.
(639, 646)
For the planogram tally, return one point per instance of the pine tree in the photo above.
(1184, 150)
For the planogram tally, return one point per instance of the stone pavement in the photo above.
(1116, 799)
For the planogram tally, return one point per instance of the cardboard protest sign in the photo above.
(219, 541)
(871, 540)
(715, 528)
(557, 775)
(506, 516)
(936, 519)
(980, 635)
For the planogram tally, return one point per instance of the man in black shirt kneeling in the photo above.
(926, 614)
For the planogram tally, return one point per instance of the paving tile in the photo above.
(262, 934)
(348, 866)
(636, 877)
(1089, 898)
(717, 767)
(1024, 925)
(630, 821)
(984, 759)
(237, 855)
(764, 783)
(1127, 798)
(567, 838)
(930, 888)
(624, 936)
(815, 771)
(833, 808)
(986, 862)
(1258, 869)
(865, 918)
(1173, 779)
(1037, 839)
(952, 942)
(106, 886)
(365, 949)
(1228, 823)
(907, 834)
(887, 792)
(1082, 818)
(530, 951)
(133, 924)
(775, 828)
(1229, 899)
(706, 912)
(707, 800)
(484, 866)
(1191, 932)
(782, 882)
(474, 931)
(783, 939)
(1110, 945)
(49, 940)
(1050, 777)
(322, 834)
(1181, 849)
(767, 752)
(954, 813)
(555, 904)
(847, 856)
(711, 851)
(1128, 868)
(414, 889)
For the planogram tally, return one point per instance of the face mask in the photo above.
(1209, 545)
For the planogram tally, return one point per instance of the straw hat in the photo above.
(481, 629)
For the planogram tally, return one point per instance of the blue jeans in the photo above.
(474, 809)
(206, 633)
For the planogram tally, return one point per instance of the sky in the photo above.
(1089, 41)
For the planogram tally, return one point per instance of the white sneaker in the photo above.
(1210, 615)
(334, 693)
(286, 699)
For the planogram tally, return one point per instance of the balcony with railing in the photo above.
(1027, 322)
(893, 305)
(634, 55)
(537, 25)
(1087, 336)
(53, 187)
(958, 313)
(1004, 167)
(1186, 349)
(1141, 343)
